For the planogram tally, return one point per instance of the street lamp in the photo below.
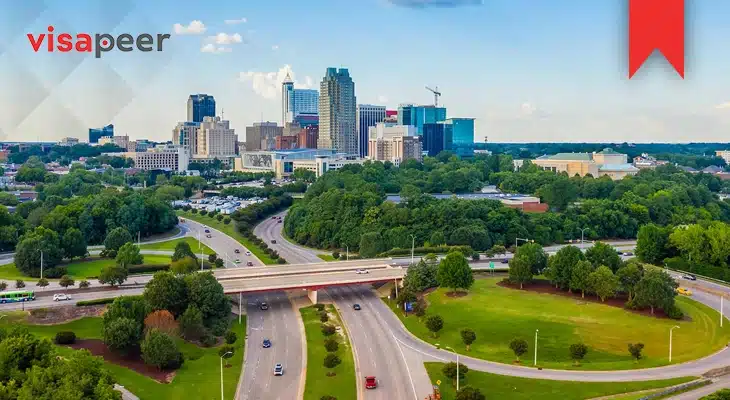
(517, 240)
(536, 330)
(457, 367)
(413, 247)
(670, 343)
(582, 231)
(227, 353)
(347, 249)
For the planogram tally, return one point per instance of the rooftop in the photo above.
(617, 167)
(569, 157)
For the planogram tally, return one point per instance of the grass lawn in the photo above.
(498, 315)
(170, 245)
(231, 231)
(318, 384)
(81, 269)
(198, 378)
(326, 257)
(512, 388)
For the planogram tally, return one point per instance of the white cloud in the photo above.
(275, 47)
(268, 84)
(226, 39)
(195, 27)
(212, 49)
(236, 21)
(382, 99)
(723, 106)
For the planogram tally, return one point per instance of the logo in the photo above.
(656, 25)
(101, 42)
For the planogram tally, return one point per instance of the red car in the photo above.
(371, 382)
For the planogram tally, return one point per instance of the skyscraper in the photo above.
(200, 106)
(287, 95)
(185, 134)
(216, 138)
(462, 131)
(408, 114)
(297, 101)
(367, 115)
(95, 134)
(337, 104)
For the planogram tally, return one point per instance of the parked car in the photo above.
(237, 251)
(505, 261)
(628, 254)
(279, 221)
(371, 382)
(689, 277)
(274, 217)
(278, 370)
(267, 343)
(238, 261)
(61, 297)
(356, 307)
(264, 306)
(207, 231)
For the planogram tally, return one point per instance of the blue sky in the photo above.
(527, 70)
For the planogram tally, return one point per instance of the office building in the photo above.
(120, 141)
(367, 115)
(307, 119)
(262, 136)
(200, 106)
(436, 138)
(95, 134)
(185, 134)
(307, 137)
(394, 143)
(296, 101)
(337, 104)
(283, 163)
(287, 95)
(409, 114)
(68, 141)
(604, 163)
(165, 157)
(215, 138)
(462, 134)
(285, 142)
(724, 154)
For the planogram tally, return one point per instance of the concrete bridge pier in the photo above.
(312, 294)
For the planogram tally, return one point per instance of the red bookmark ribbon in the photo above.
(656, 25)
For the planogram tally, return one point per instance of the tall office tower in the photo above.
(337, 103)
(200, 106)
(367, 115)
(185, 134)
(95, 134)
(408, 114)
(462, 132)
(287, 95)
(262, 136)
(297, 101)
(216, 138)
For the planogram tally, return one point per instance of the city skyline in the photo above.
(523, 71)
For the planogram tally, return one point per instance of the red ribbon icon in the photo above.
(656, 25)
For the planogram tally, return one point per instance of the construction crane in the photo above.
(436, 95)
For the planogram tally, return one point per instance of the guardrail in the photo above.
(678, 388)
(707, 278)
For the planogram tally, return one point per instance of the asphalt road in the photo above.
(719, 384)
(224, 245)
(281, 324)
(270, 229)
(288, 282)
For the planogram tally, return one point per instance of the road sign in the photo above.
(491, 264)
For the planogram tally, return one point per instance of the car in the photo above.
(273, 241)
(371, 382)
(237, 261)
(249, 264)
(248, 253)
(209, 236)
(278, 370)
(356, 307)
(274, 217)
(237, 251)
(61, 297)
(278, 222)
(279, 218)
(684, 291)
(689, 277)
(505, 261)
(361, 271)
(207, 231)
(628, 254)
(267, 343)
(264, 306)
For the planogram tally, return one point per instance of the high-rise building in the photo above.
(287, 95)
(215, 138)
(296, 101)
(285, 143)
(394, 143)
(367, 115)
(436, 138)
(262, 136)
(462, 132)
(120, 141)
(307, 119)
(185, 134)
(200, 106)
(337, 104)
(409, 114)
(95, 134)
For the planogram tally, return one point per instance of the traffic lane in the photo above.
(291, 282)
(377, 354)
(340, 266)
(722, 383)
(47, 301)
(711, 300)
(270, 229)
(221, 243)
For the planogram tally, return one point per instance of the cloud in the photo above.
(275, 47)
(268, 84)
(212, 49)
(382, 99)
(529, 110)
(195, 27)
(436, 3)
(723, 106)
(236, 21)
(226, 39)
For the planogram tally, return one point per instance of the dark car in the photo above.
(628, 254)
(264, 306)
(274, 217)
(279, 221)
(273, 241)
(689, 277)
(249, 264)
(267, 343)
(207, 231)
(505, 261)
(237, 251)
(356, 307)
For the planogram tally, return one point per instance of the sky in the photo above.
(527, 70)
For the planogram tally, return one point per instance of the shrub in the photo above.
(94, 302)
(281, 261)
(434, 323)
(160, 350)
(328, 397)
(577, 352)
(226, 351)
(191, 323)
(163, 321)
(331, 360)
(323, 317)
(519, 347)
(219, 217)
(635, 350)
(43, 282)
(65, 337)
(121, 334)
(19, 284)
(328, 330)
(220, 326)
(449, 369)
(54, 273)
(3, 286)
(231, 337)
(208, 340)
(227, 220)
(84, 284)
(331, 345)
(194, 211)
(674, 312)
(319, 307)
(335, 254)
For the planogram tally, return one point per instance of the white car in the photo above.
(61, 297)
(248, 253)
(361, 271)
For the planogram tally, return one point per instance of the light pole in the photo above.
(536, 330)
(413, 247)
(41, 263)
(347, 249)
(457, 367)
(582, 231)
(670, 343)
(227, 353)
(517, 240)
(722, 314)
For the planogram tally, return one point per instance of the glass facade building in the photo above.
(367, 115)
(408, 114)
(437, 138)
(200, 106)
(462, 132)
(96, 134)
(337, 112)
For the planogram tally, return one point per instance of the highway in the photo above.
(221, 243)
(305, 281)
(270, 229)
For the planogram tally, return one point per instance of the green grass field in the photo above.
(170, 245)
(318, 384)
(231, 231)
(498, 315)
(512, 388)
(326, 257)
(81, 269)
(198, 378)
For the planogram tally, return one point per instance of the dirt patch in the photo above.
(131, 361)
(456, 294)
(543, 286)
(60, 315)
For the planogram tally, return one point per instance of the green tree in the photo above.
(468, 336)
(167, 292)
(331, 345)
(470, 393)
(226, 351)
(8, 199)
(132, 307)
(559, 194)
(160, 350)
(182, 250)
(207, 294)
(579, 279)
(603, 282)
(635, 350)
(19, 284)
(434, 323)
(437, 238)
(651, 244)
(534, 254)
(231, 337)
(692, 242)
(114, 275)
(723, 394)
(116, 238)
(578, 351)
(3, 286)
(74, 244)
(128, 255)
(520, 270)
(454, 272)
(519, 347)
(29, 249)
(43, 282)
(66, 281)
(331, 360)
(656, 289)
(603, 254)
(219, 263)
(212, 258)
(184, 266)
(371, 244)
(121, 334)
(449, 369)
(629, 276)
(191, 323)
(421, 276)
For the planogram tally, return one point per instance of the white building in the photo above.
(120, 141)
(367, 115)
(186, 134)
(337, 105)
(215, 138)
(166, 157)
(68, 141)
(394, 143)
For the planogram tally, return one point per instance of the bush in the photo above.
(161, 350)
(328, 330)
(674, 312)
(635, 350)
(65, 337)
(54, 273)
(226, 351)
(231, 337)
(219, 327)
(191, 323)
(208, 340)
(219, 217)
(281, 261)
(194, 211)
(121, 334)
(227, 220)
(94, 302)
(323, 317)
(335, 254)
(331, 345)
(331, 360)
(19, 284)
(319, 307)
(84, 284)
(328, 397)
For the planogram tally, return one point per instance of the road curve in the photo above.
(270, 229)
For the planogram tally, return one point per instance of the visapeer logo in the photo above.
(101, 43)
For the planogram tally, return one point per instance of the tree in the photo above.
(207, 294)
(577, 352)
(184, 266)
(434, 323)
(371, 244)
(8, 199)
(468, 336)
(603, 282)
(3, 286)
(226, 351)
(84, 284)
(167, 292)
(231, 337)
(66, 281)
(219, 263)
(19, 284)
(469, 393)
(656, 289)
(635, 350)
(560, 269)
(42, 283)
(212, 258)
(160, 350)
(331, 360)
(117, 238)
(182, 250)
(723, 394)
(29, 249)
(629, 276)
(449, 369)
(603, 254)
(651, 244)
(74, 244)
(559, 194)
(519, 347)
(328, 329)
(121, 334)
(520, 270)
(331, 345)
(191, 323)
(454, 272)
(163, 321)
(535, 257)
(579, 279)
(128, 255)
(421, 276)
